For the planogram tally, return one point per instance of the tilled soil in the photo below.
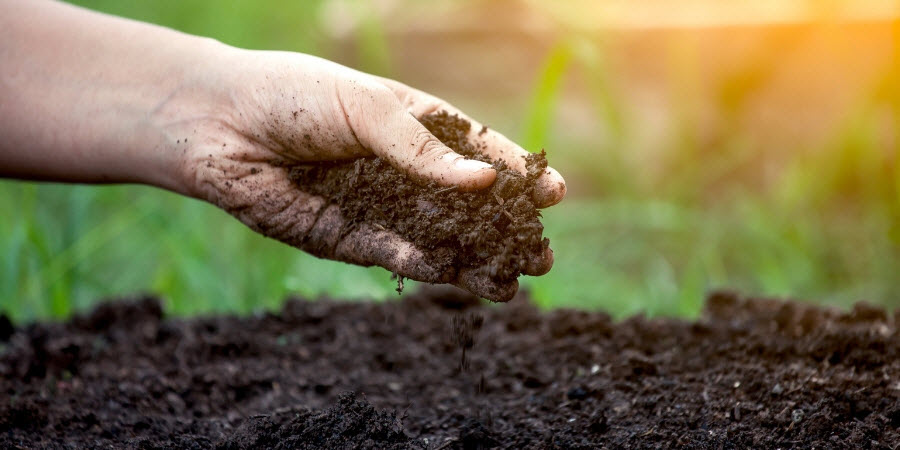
(324, 374)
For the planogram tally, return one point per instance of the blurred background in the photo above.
(706, 144)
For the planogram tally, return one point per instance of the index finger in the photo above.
(550, 188)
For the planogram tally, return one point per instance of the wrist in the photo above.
(91, 98)
(187, 115)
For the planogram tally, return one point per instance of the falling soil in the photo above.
(465, 330)
(325, 374)
(497, 230)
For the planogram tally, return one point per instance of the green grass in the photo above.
(67, 246)
(274, 25)
(827, 229)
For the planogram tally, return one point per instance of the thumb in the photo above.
(402, 140)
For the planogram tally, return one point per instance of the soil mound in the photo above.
(496, 230)
(751, 373)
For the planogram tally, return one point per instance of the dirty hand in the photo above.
(275, 110)
(93, 98)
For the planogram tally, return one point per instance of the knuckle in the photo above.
(366, 246)
(428, 147)
(324, 234)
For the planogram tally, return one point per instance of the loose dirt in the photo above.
(325, 374)
(497, 230)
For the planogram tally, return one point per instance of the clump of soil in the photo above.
(496, 230)
(751, 373)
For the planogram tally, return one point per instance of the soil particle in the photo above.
(751, 373)
(465, 330)
(495, 230)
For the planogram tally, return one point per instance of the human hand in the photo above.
(274, 110)
(191, 115)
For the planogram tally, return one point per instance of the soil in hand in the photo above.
(496, 230)
(749, 374)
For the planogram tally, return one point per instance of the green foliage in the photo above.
(537, 123)
(629, 255)
(68, 246)
(827, 229)
(276, 25)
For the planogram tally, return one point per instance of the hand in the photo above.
(276, 109)
(92, 98)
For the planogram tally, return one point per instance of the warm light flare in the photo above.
(592, 14)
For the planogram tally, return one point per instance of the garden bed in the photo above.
(748, 374)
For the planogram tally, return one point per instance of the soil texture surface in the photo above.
(496, 230)
(325, 374)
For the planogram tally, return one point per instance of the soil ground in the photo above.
(325, 374)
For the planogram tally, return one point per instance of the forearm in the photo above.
(83, 95)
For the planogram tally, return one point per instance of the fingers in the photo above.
(539, 265)
(478, 283)
(385, 127)
(368, 246)
(550, 188)
(265, 199)
(325, 234)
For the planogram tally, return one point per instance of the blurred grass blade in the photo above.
(546, 95)
(373, 48)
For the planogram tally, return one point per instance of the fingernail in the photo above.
(550, 189)
(471, 165)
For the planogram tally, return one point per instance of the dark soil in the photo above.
(496, 230)
(749, 374)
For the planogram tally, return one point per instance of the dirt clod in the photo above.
(496, 231)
